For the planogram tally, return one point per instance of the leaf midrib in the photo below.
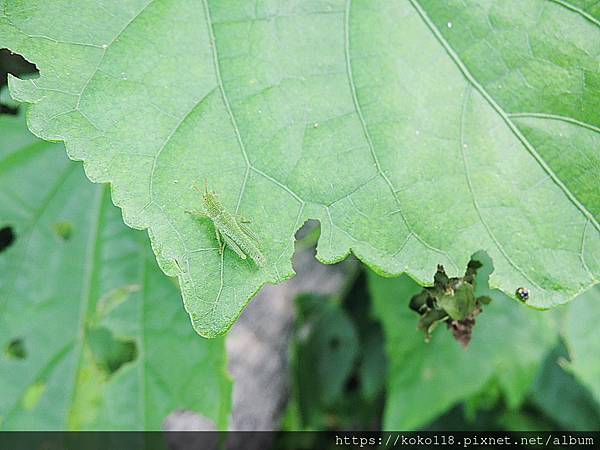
(217, 69)
(577, 10)
(38, 213)
(90, 261)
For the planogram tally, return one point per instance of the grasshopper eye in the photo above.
(522, 294)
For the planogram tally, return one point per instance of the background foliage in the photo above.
(93, 335)
(517, 373)
(486, 138)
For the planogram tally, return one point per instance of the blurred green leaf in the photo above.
(582, 336)
(373, 367)
(485, 400)
(372, 363)
(426, 379)
(560, 396)
(515, 420)
(82, 349)
(325, 347)
(6, 99)
(417, 132)
(457, 419)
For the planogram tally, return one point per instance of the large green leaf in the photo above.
(425, 379)
(582, 336)
(559, 395)
(92, 335)
(418, 132)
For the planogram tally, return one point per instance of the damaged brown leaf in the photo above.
(450, 300)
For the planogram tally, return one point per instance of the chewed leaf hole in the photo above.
(308, 235)
(111, 353)
(126, 351)
(352, 384)
(7, 238)
(63, 230)
(16, 349)
(17, 65)
(334, 343)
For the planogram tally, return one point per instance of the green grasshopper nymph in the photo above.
(230, 229)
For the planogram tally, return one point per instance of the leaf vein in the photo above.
(105, 50)
(168, 139)
(368, 136)
(577, 10)
(52, 192)
(215, 60)
(91, 256)
(469, 77)
(582, 251)
(467, 96)
(534, 115)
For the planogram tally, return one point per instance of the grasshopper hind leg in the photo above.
(249, 232)
(242, 221)
(220, 241)
(236, 248)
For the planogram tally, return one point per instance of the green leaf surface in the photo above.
(426, 379)
(418, 132)
(582, 336)
(92, 334)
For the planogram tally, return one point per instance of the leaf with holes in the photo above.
(425, 380)
(418, 132)
(90, 330)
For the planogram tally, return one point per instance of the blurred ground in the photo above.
(258, 344)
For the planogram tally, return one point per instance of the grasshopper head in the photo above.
(211, 202)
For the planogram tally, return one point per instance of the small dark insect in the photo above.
(522, 294)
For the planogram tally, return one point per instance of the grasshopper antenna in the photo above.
(195, 186)
(206, 185)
